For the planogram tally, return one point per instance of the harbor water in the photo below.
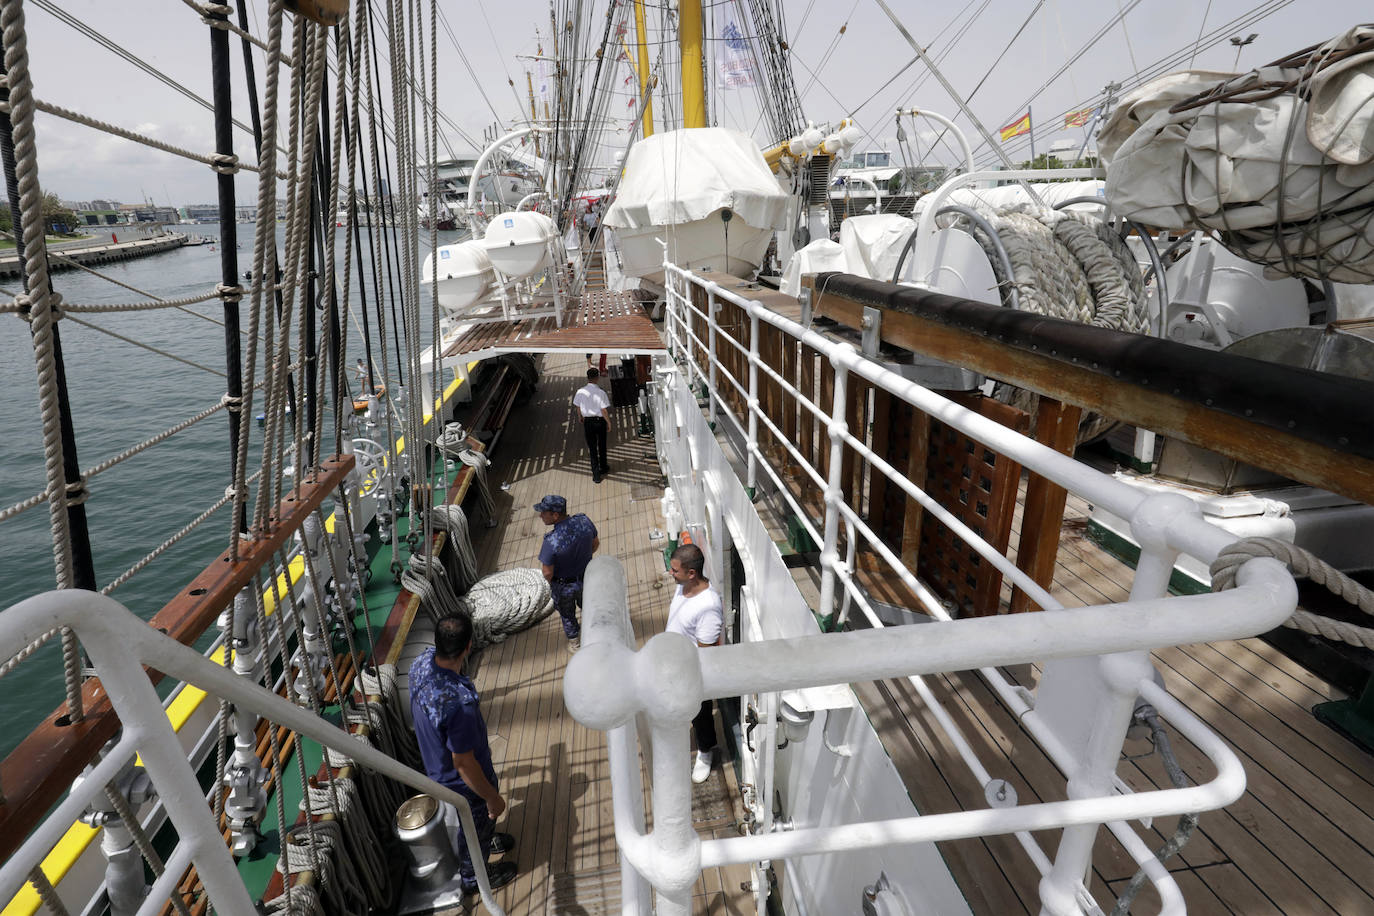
(122, 394)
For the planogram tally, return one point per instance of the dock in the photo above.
(91, 255)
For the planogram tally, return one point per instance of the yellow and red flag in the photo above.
(1080, 117)
(1021, 125)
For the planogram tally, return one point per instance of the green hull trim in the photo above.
(1180, 583)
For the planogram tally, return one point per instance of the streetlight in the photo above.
(1240, 43)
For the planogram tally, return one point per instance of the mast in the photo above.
(529, 84)
(642, 37)
(693, 83)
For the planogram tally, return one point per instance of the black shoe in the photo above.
(605, 469)
(499, 875)
(501, 842)
(596, 478)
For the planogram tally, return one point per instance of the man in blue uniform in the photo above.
(566, 551)
(453, 742)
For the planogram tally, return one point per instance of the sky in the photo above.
(838, 73)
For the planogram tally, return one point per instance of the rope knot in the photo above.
(225, 163)
(233, 401)
(215, 15)
(77, 494)
(229, 294)
(23, 306)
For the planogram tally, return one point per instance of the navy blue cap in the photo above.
(551, 503)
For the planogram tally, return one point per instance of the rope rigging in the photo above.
(1304, 564)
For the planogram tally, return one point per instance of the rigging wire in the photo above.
(1087, 46)
(1200, 26)
(1169, 62)
(81, 27)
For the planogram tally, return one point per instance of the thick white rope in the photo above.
(264, 259)
(505, 603)
(364, 846)
(1302, 563)
(43, 319)
(1066, 265)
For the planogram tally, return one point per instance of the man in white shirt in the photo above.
(592, 402)
(697, 613)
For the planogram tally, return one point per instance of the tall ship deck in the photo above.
(1037, 493)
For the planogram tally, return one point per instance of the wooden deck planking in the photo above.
(553, 771)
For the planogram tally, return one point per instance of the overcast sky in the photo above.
(838, 74)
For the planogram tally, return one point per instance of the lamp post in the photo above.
(1239, 43)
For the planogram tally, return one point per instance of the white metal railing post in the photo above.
(121, 674)
(1121, 673)
(606, 685)
(675, 837)
(711, 354)
(834, 492)
(752, 446)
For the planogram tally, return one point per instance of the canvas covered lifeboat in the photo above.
(707, 193)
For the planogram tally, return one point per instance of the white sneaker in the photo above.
(701, 769)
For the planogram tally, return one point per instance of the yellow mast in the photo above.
(641, 31)
(529, 83)
(693, 82)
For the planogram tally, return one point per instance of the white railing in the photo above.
(1095, 659)
(119, 645)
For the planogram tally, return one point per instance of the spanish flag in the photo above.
(1079, 118)
(1021, 125)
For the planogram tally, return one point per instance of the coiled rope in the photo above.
(1304, 564)
(362, 846)
(505, 603)
(1065, 265)
(453, 443)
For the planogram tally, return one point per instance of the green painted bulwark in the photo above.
(1180, 583)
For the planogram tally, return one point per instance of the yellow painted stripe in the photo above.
(55, 865)
(79, 837)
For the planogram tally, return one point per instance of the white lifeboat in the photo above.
(465, 274)
(518, 242)
(706, 193)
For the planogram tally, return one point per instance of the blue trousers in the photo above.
(485, 828)
(567, 597)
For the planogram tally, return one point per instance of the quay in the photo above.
(97, 253)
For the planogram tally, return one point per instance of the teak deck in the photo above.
(553, 771)
(1300, 841)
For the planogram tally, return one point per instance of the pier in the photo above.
(97, 253)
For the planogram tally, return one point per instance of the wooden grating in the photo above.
(978, 486)
(603, 321)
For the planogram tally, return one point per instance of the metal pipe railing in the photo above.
(607, 685)
(1164, 526)
(120, 645)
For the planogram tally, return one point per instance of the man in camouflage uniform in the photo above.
(452, 735)
(566, 551)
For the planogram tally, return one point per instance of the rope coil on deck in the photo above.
(1305, 564)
